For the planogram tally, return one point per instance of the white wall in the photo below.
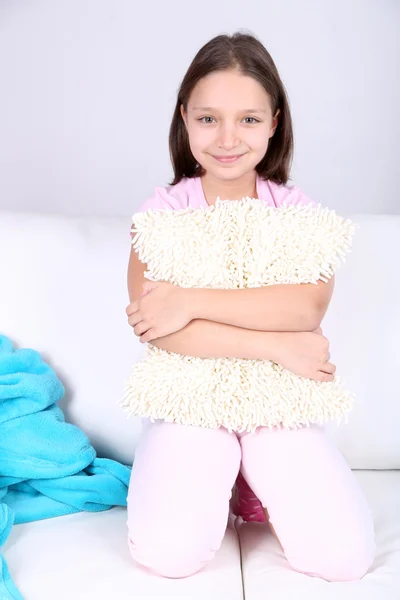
(88, 87)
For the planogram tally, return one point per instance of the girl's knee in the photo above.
(336, 564)
(174, 554)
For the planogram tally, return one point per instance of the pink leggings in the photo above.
(180, 489)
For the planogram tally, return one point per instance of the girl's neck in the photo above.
(231, 189)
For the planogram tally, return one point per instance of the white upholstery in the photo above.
(63, 292)
(267, 574)
(85, 556)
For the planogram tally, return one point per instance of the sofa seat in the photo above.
(268, 576)
(86, 556)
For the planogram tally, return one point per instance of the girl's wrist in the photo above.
(270, 345)
(191, 302)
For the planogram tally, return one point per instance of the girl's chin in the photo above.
(227, 171)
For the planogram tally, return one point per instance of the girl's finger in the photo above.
(134, 320)
(328, 368)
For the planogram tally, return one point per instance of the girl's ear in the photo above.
(275, 122)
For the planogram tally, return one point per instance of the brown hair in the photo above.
(245, 53)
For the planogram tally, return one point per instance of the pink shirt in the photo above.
(189, 192)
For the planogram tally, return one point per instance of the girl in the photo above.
(231, 136)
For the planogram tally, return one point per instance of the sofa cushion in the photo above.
(267, 573)
(86, 556)
(64, 293)
(363, 326)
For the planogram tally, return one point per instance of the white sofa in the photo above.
(63, 292)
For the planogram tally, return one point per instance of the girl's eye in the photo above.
(202, 119)
(253, 119)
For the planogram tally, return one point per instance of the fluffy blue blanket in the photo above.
(48, 467)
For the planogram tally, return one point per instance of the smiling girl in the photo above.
(231, 137)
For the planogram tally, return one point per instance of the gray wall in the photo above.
(88, 86)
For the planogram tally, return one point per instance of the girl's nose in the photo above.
(228, 138)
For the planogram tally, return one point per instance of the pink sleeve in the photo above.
(292, 195)
(298, 198)
(161, 198)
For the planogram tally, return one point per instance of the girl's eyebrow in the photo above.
(212, 109)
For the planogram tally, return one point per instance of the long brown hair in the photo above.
(246, 54)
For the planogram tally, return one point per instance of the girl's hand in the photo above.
(305, 354)
(162, 309)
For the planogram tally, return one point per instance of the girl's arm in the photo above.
(208, 339)
(282, 307)
(248, 337)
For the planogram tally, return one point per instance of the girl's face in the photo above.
(229, 114)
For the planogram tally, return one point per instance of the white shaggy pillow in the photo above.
(236, 244)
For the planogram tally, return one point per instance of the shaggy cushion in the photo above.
(236, 244)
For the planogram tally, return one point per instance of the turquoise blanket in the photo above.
(48, 467)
